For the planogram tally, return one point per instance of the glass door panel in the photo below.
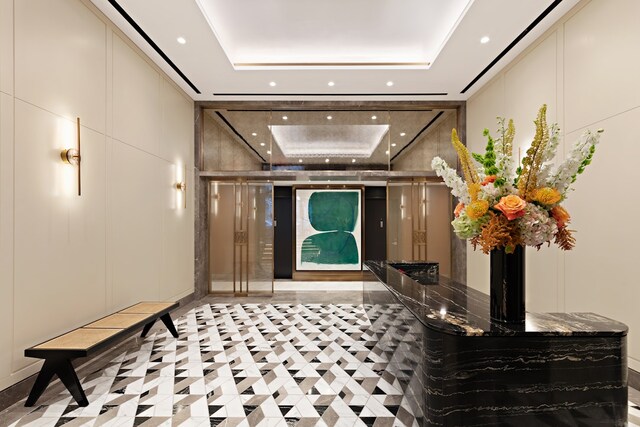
(221, 236)
(241, 237)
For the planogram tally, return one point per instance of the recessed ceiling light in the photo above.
(402, 134)
(331, 84)
(353, 160)
(181, 40)
(393, 145)
(386, 152)
(299, 160)
(254, 134)
(374, 117)
(485, 39)
(326, 160)
(269, 152)
(329, 117)
(272, 84)
(389, 83)
(262, 144)
(285, 118)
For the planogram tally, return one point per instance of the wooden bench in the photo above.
(88, 339)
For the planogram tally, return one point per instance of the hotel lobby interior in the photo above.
(297, 213)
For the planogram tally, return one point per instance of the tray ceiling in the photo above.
(445, 34)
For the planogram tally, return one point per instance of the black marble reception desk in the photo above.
(457, 368)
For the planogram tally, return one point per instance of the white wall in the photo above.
(586, 69)
(67, 260)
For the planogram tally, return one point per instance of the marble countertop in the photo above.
(457, 309)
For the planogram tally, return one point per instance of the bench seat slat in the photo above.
(78, 339)
(147, 307)
(118, 321)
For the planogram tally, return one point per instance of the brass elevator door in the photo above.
(418, 219)
(240, 237)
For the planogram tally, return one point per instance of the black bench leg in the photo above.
(64, 370)
(146, 328)
(166, 319)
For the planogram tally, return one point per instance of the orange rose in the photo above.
(458, 209)
(561, 216)
(477, 209)
(489, 179)
(511, 206)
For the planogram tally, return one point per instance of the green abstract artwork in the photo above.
(333, 210)
(334, 247)
(328, 229)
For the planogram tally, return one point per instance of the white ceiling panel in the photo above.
(333, 31)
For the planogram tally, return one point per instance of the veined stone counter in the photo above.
(462, 369)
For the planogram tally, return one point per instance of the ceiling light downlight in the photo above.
(326, 160)
(485, 40)
(299, 160)
(331, 84)
(389, 83)
(285, 118)
(329, 117)
(374, 117)
(402, 133)
(353, 160)
(181, 40)
(262, 144)
(272, 84)
(254, 134)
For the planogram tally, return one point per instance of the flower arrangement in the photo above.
(502, 206)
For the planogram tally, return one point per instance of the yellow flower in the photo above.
(547, 196)
(477, 209)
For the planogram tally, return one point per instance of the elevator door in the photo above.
(419, 216)
(241, 237)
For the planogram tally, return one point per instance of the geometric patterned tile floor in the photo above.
(245, 365)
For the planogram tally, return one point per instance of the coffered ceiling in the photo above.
(332, 49)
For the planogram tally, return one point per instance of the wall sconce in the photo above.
(181, 186)
(72, 156)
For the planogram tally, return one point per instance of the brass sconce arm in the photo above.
(72, 156)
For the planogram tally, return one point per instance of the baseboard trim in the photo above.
(634, 379)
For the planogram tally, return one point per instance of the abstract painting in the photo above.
(328, 229)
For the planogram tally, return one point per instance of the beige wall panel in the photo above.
(528, 84)
(137, 107)
(177, 245)
(6, 46)
(6, 234)
(59, 236)
(136, 195)
(601, 272)
(482, 111)
(602, 64)
(60, 59)
(177, 126)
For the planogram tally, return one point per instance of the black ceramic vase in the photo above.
(507, 286)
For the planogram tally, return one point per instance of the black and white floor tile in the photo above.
(246, 365)
(243, 365)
